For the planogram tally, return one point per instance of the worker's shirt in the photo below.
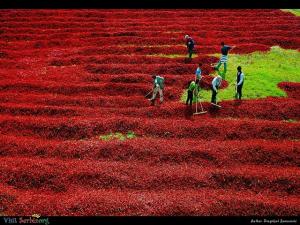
(196, 89)
(198, 73)
(190, 43)
(216, 83)
(239, 78)
(158, 82)
(225, 49)
(192, 86)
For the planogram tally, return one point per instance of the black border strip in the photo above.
(167, 4)
(165, 220)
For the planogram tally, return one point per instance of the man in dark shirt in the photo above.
(224, 51)
(239, 82)
(190, 44)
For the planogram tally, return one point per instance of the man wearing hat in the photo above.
(190, 44)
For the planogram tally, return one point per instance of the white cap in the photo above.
(186, 36)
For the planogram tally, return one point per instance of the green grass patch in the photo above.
(118, 136)
(263, 71)
(173, 32)
(144, 46)
(173, 55)
(291, 121)
(296, 12)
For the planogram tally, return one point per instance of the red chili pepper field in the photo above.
(78, 136)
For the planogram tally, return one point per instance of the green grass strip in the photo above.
(117, 136)
(263, 71)
(296, 12)
(172, 56)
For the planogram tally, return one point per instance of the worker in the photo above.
(158, 86)
(224, 58)
(190, 44)
(215, 85)
(239, 82)
(198, 72)
(193, 89)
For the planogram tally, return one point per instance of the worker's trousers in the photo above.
(219, 65)
(214, 96)
(239, 91)
(190, 51)
(160, 91)
(189, 97)
(225, 69)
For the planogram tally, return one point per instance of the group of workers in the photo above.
(194, 85)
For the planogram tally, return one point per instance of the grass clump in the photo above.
(118, 136)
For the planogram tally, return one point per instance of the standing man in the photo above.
(198, 72)
(158, 86)
(239, 82)
(215, 85)
(193, 89)
(223, 60)
(190, 44)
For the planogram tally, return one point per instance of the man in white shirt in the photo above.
(215, 85)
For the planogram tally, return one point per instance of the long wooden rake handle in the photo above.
(148, 93)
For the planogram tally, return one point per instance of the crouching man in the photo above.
(193, 90)
(215, 85)
(158, 87)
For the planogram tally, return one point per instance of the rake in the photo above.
(148, 93)
(235, 91)
(202, 111)
(216, 104)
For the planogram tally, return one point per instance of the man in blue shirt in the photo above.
(198, 72)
